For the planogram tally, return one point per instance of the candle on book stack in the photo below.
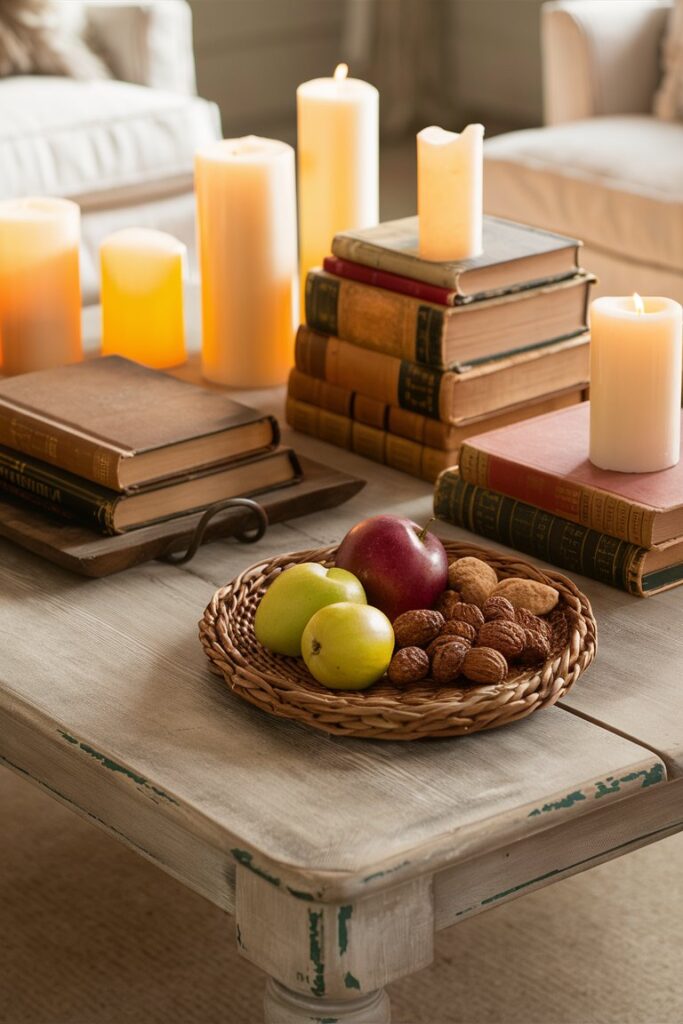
(635, 383)
(40, 291)
(246, 208)
(338, 152)
(450, 170)
(142, 297)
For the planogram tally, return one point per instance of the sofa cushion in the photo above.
(100, 143)
(615, 182)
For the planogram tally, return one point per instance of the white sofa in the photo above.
(603, 168)
(123, 149)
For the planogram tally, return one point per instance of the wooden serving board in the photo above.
(88, 553)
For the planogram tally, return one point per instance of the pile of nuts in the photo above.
(479, 626)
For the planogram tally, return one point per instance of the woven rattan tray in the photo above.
(284, 687)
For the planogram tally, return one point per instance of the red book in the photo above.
(392, 282)
(544, 462)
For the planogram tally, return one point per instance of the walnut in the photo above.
(457, 629)
(417, 628)
(443, 638)
(530, 594)
(409, 665)
(530, 621)
(465, 612)
(447, 602)
(473, 578)
(536, 647)
(495, 608)
(484, 665)
(448, 661)
(504, 636)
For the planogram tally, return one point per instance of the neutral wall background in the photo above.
(251, 55)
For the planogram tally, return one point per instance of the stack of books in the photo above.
(402, 358)
(115, 446)
(532, 487)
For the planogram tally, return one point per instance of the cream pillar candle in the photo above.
(246, 207)
(635, 383)
(338, 155)
(450, 171)
(142, 297)
(40, 291)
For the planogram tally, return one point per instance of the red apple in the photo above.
(400, 563)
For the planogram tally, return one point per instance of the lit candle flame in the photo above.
(638, 303)
(340, 72)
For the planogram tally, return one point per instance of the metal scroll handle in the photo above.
(249, 534)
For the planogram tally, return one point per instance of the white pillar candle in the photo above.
(450, 171)
(142, 297)
(635, 383)
(40, 291)
(338, 155)
(246, 207)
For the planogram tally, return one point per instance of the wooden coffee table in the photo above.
(338, 859)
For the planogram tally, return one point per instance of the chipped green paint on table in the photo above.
(338, 858)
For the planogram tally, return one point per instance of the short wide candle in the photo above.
(40, 290)
(338, 154)
(142, 297)
(635, 383)
(246, 207)
(450, 171)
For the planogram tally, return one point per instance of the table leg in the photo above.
(328, 963)
(283, 1006)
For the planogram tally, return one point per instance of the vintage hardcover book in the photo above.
(545, 462)
(379, 445)
(456, 337)
(392, 282)
(515, 256)
(121, 425)
(413, 426)
(444, 395)
(107, 511)
(563, 543)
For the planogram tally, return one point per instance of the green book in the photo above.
(637, 570)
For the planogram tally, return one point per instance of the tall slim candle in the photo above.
(635, 383)
(338, 154)
(450, 171)
(40, 291)
(142, 297)
(246, 206)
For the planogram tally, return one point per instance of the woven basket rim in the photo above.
(283, 687)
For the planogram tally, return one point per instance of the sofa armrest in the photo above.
(600, 56)
(147, 42)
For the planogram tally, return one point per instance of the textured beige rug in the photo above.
(92, 934)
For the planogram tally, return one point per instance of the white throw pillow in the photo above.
(38, 37)
(669, 97)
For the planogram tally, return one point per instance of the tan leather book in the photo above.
(446, 337)
(123, 426)
(444, 394)
(411, 425)
(514, 256)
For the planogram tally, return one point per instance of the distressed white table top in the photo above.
(109, 674)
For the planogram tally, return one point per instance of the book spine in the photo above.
(393, 381)
(370, 442)
(57, 446)
(56, 492)
(539, 533)
(599, 510)
(318, 392)
(376, 318)
(391, 282)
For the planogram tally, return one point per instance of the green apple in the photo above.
(297, 594)
(348, 646)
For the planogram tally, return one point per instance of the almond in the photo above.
(484, 665)
(472, 578)
(530, 594)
